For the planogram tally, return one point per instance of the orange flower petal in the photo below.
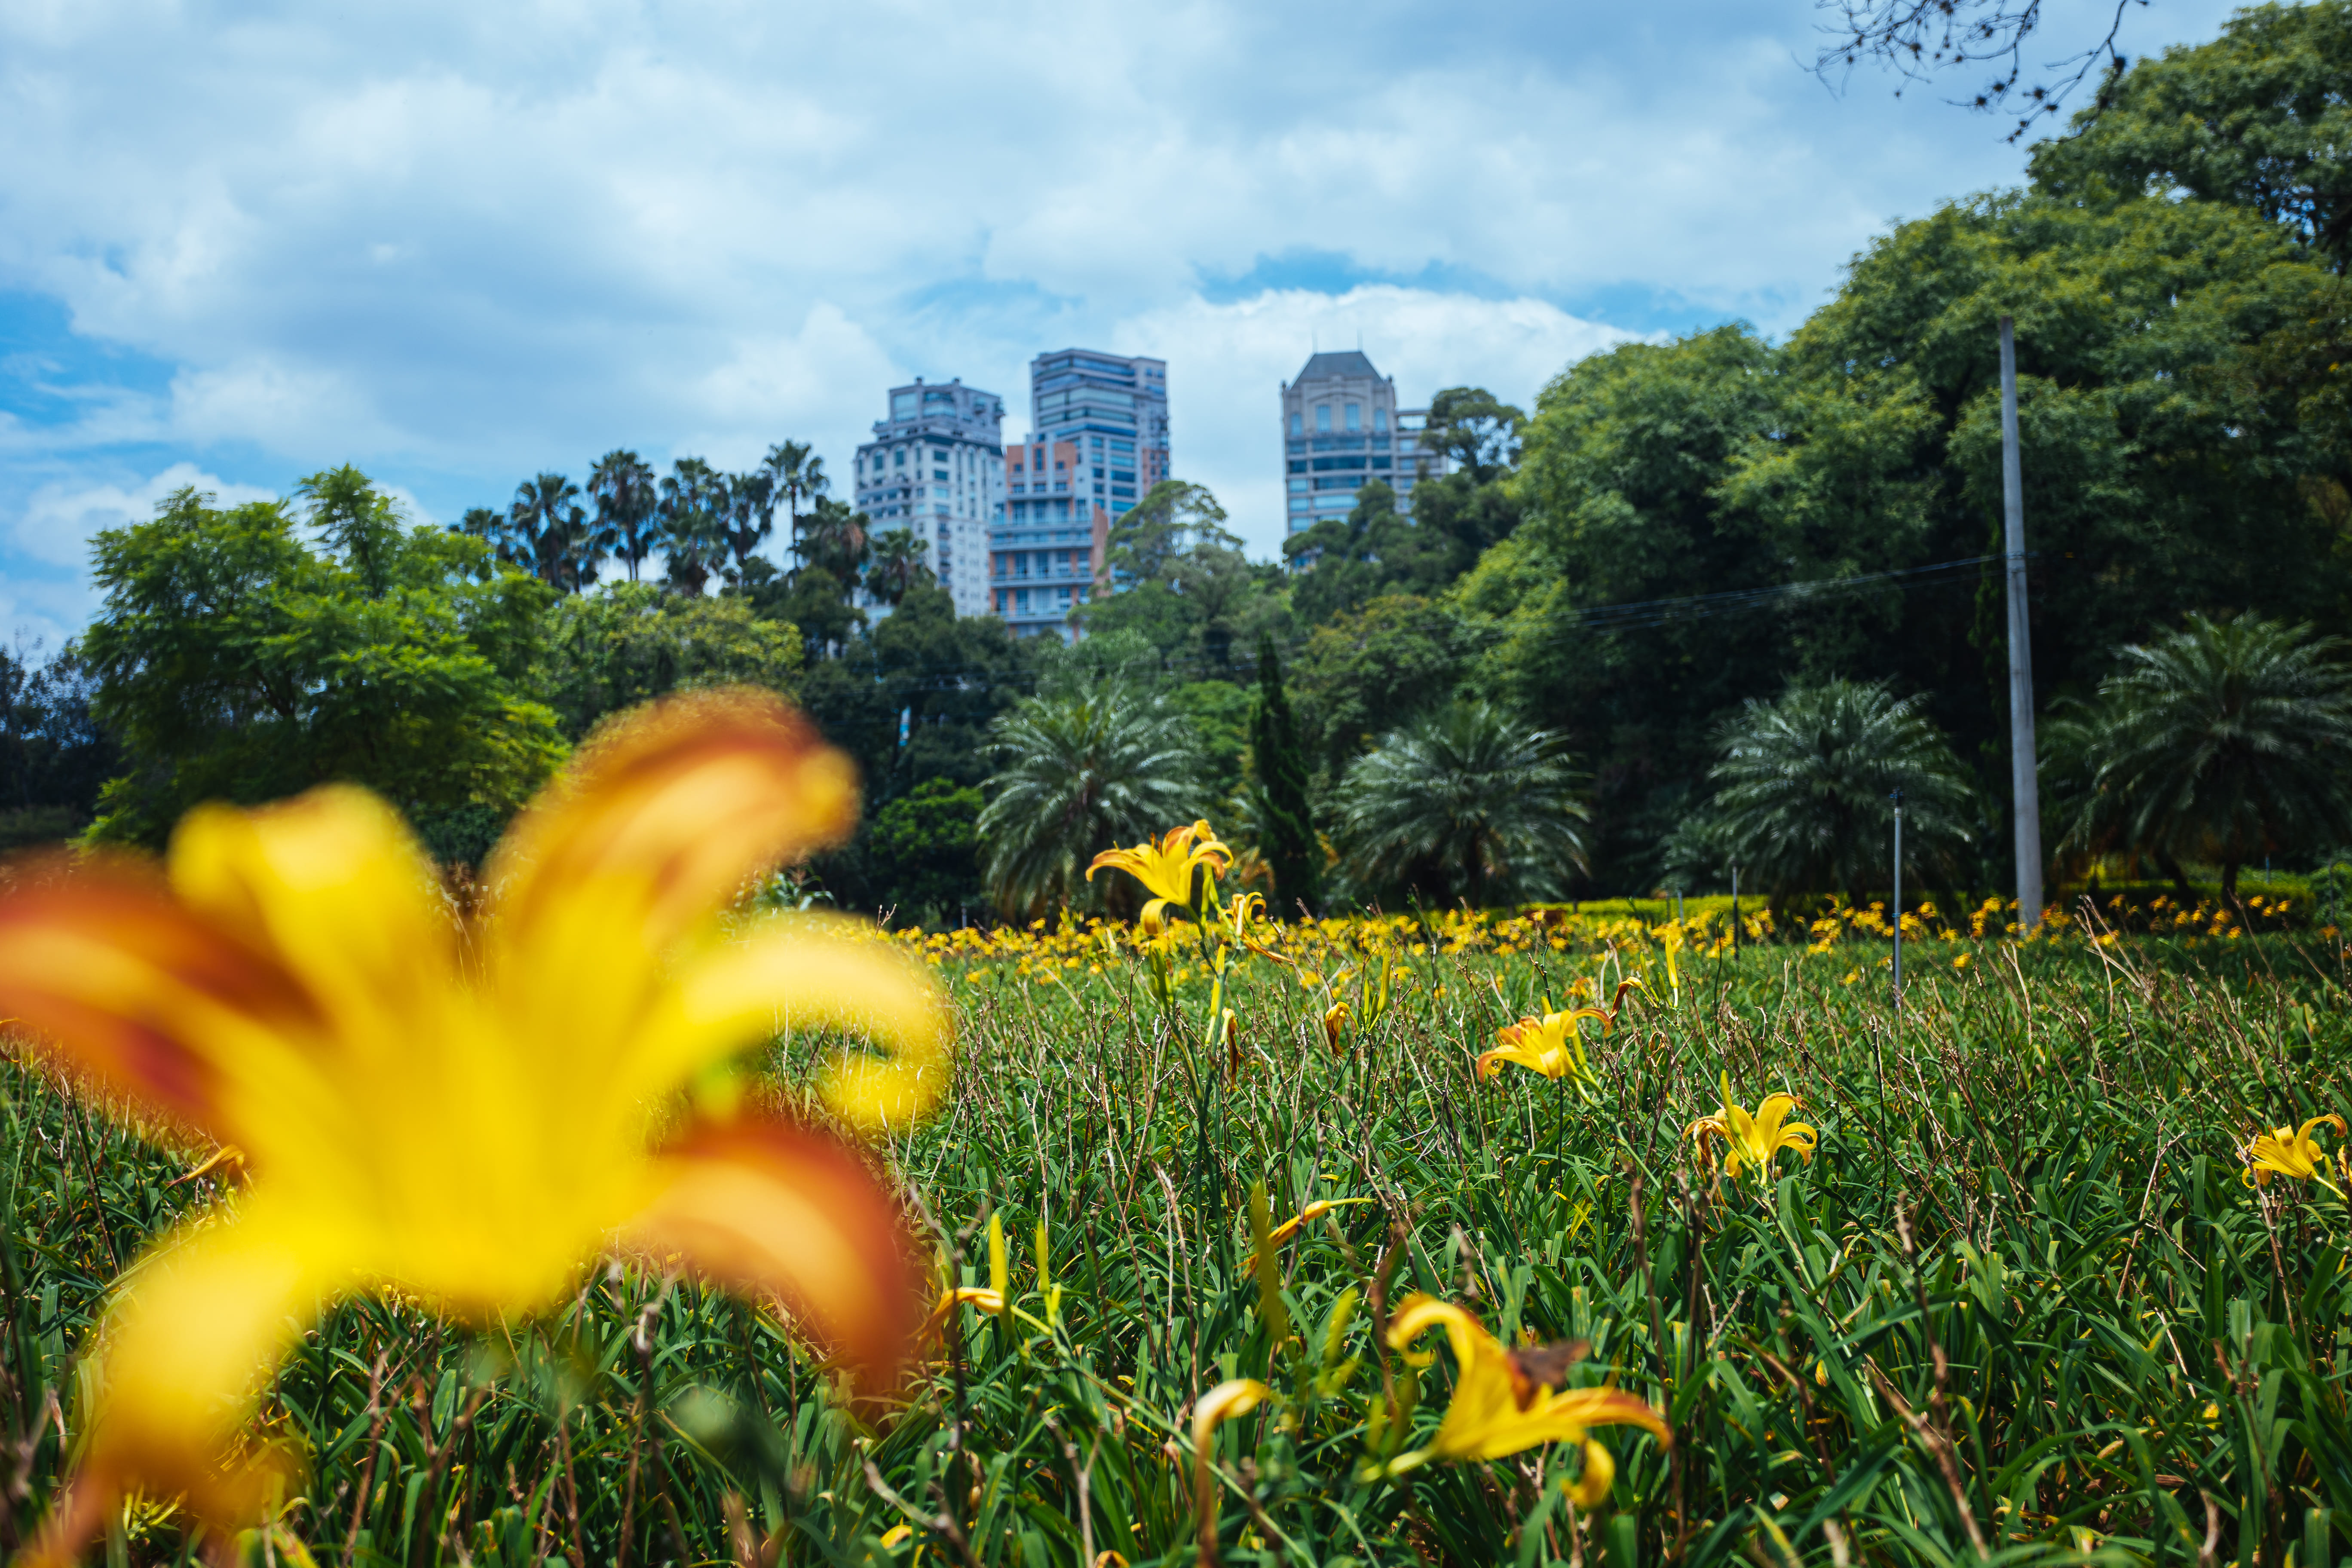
(773, 1207)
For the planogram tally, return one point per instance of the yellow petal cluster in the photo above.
(1167, 867)
(1752, 1140)
(465, 1111)
(2294, 1153)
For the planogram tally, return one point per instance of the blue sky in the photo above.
(457, 244)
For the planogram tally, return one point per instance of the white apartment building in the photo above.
(936, 467)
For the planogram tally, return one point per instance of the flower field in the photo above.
(1263, 1264)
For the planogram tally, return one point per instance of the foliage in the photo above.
(2013, 1185)
(1220, 714)
(1184, 584)
(1286, 819)
(1173, 518)
(899, 566)
(54, 754)
(1377, 549)
(1366, 670)
(1089, 761)
(237, 662)
(632, 642)
(2222, 742)
(2257, 118)
(1464, 803)
(694, 535)
(922, 849)
(1802, 795)
(621, 486)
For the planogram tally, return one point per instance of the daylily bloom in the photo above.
(1754, 1139)
(1236, 1396)
(2294, 1153)
(468, 1115)
(1335, 1025)
(1507, 1401)
(1551, 1044)
(1166, 867)
(1314, 1211)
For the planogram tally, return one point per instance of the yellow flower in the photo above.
(466, 1114)
(2289, 1153)
(1754, 1139)
(1236, 1396)
(1507, 1401)
(1550, 1044)
(1335, 1025)
(1166, 867)
(1314, 1211)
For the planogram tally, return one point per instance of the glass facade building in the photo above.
(1098, 443)
(1341, 429)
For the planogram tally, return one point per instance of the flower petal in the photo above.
(184, 1350)
(802, 972)
(774, 1208)
(130, 985)
(659, 822)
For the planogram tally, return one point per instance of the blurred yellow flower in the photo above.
(1753, 1139)
(467, 1112)
(2294, 1153)
(1335, 1025)
(1167, 868)
(1507, 1401)
(1236, 1396)
(1308, 1215)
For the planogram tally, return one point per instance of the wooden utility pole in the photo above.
(2023, 783)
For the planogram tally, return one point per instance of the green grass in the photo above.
(2030, 1171)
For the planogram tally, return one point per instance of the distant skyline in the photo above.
(458, 247)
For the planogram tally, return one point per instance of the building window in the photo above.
(1380, 420)
(902, 457)
(1298, 484)
(1298, 423)
(1355, 416)
(1323, 419)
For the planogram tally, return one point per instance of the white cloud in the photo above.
(57, 522)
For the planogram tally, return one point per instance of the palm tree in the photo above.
(538, 518)
(836, 539)
(693, 532)
(622, 485)
(2220, 741)
(1467, 802)
(1086, 763)
(1803, 799)
(795, 473)
(750, 510)
(898, 565)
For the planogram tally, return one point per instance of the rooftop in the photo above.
(1329, 367)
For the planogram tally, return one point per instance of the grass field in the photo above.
(2019, 1304)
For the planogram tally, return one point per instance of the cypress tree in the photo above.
(1290, 846)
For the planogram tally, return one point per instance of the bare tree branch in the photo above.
(1919, 40)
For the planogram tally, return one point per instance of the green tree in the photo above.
(2258, 118)
(2219, 742)
(923, 852)
(1803, 794)
(1091, 760)
(1286, 819)
(1466, 803)
(1339, 566)
(693, 525)
(1397, 657)
(238, 662)
(898, 567)
(631, 642)
(1173, 518)
(621, 486)
(1478, 433)
(795, 474)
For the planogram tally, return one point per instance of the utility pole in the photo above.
(1897, 798)
(2023, 783)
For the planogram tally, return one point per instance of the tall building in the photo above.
(1341, 429)
(1098, 442)
(936, 467)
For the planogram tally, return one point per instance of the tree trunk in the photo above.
(2171, 868)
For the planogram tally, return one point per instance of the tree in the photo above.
(748, 510)
(1369, 669)
(1804, 793)
(54, 754)
(622, 485)
(2257, 118)
(1466, 803)
(631, 643)
(693, 527)
(1173, 518)
(837, 541)
(1285, 820)
(795, 473)
(1919, 38)
(2222, 742)
(897, 567)
(1339, 566)
(551, 537)
(355, 521)
(924, 851)
(238, 662)
(1087, 762)
(1476, 432)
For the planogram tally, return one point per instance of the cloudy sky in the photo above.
(459, 243)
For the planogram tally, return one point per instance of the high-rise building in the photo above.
(1341, 429)
(1098, 442)
(936, 467)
